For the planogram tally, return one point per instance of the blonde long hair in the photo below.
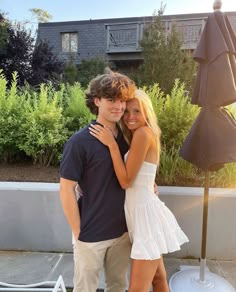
(150, 119)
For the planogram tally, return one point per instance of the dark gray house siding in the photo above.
(91, 39)
(117, 40)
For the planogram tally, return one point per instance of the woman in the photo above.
(153, 229)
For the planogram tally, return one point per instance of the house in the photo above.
(117, 40)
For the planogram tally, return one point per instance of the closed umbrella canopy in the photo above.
(216, 55)
(212, 140)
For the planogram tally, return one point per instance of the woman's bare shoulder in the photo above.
(143, 132)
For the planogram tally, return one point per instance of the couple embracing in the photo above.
(113, 161)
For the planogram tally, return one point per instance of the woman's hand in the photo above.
(156, 189)
(103, 134)
(78, 192)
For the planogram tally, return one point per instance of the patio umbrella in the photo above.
(212, 139)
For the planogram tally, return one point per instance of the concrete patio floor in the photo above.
(33, 267)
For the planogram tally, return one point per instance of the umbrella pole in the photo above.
(188, 279)
(204, 226)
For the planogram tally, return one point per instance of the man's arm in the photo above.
(69, 205)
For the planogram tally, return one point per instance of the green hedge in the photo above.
(174, 112)
(13, 106)
(36, 124)
(44, 129)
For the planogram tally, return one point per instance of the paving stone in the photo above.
(34, 267)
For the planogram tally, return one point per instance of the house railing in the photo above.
(126, 37)
(189, 31)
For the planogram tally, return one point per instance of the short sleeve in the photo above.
(71, 166)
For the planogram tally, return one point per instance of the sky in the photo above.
(70, 10)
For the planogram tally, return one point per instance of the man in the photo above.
(98, 225)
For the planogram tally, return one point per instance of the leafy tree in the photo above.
(164, 61)
(84, 72)
(45, 65)
(71, 74)
(16, 57)
(3, 34)
(34, 63)
(89, 69)
(41, 15)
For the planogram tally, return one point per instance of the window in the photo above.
(69, 41)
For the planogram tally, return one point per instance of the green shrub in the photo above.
(88, 69)
(36, 124)
(168, 166)
(175, 114)
(13, 107)
(70, 73)
(76, 111)
(225, 177)
(44, 129)
(174, 170)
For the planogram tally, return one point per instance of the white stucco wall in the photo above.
(31, 219)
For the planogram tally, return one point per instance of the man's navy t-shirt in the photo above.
(87, 161)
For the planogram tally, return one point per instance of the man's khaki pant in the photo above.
(91, 257)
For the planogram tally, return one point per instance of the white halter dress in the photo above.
(152, 227)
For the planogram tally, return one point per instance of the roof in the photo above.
(131, 19)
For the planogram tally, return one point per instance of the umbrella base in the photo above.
(189, 281)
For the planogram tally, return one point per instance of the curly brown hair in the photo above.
(109, 85)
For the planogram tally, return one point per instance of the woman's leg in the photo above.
(159, 282)
(141, 275)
